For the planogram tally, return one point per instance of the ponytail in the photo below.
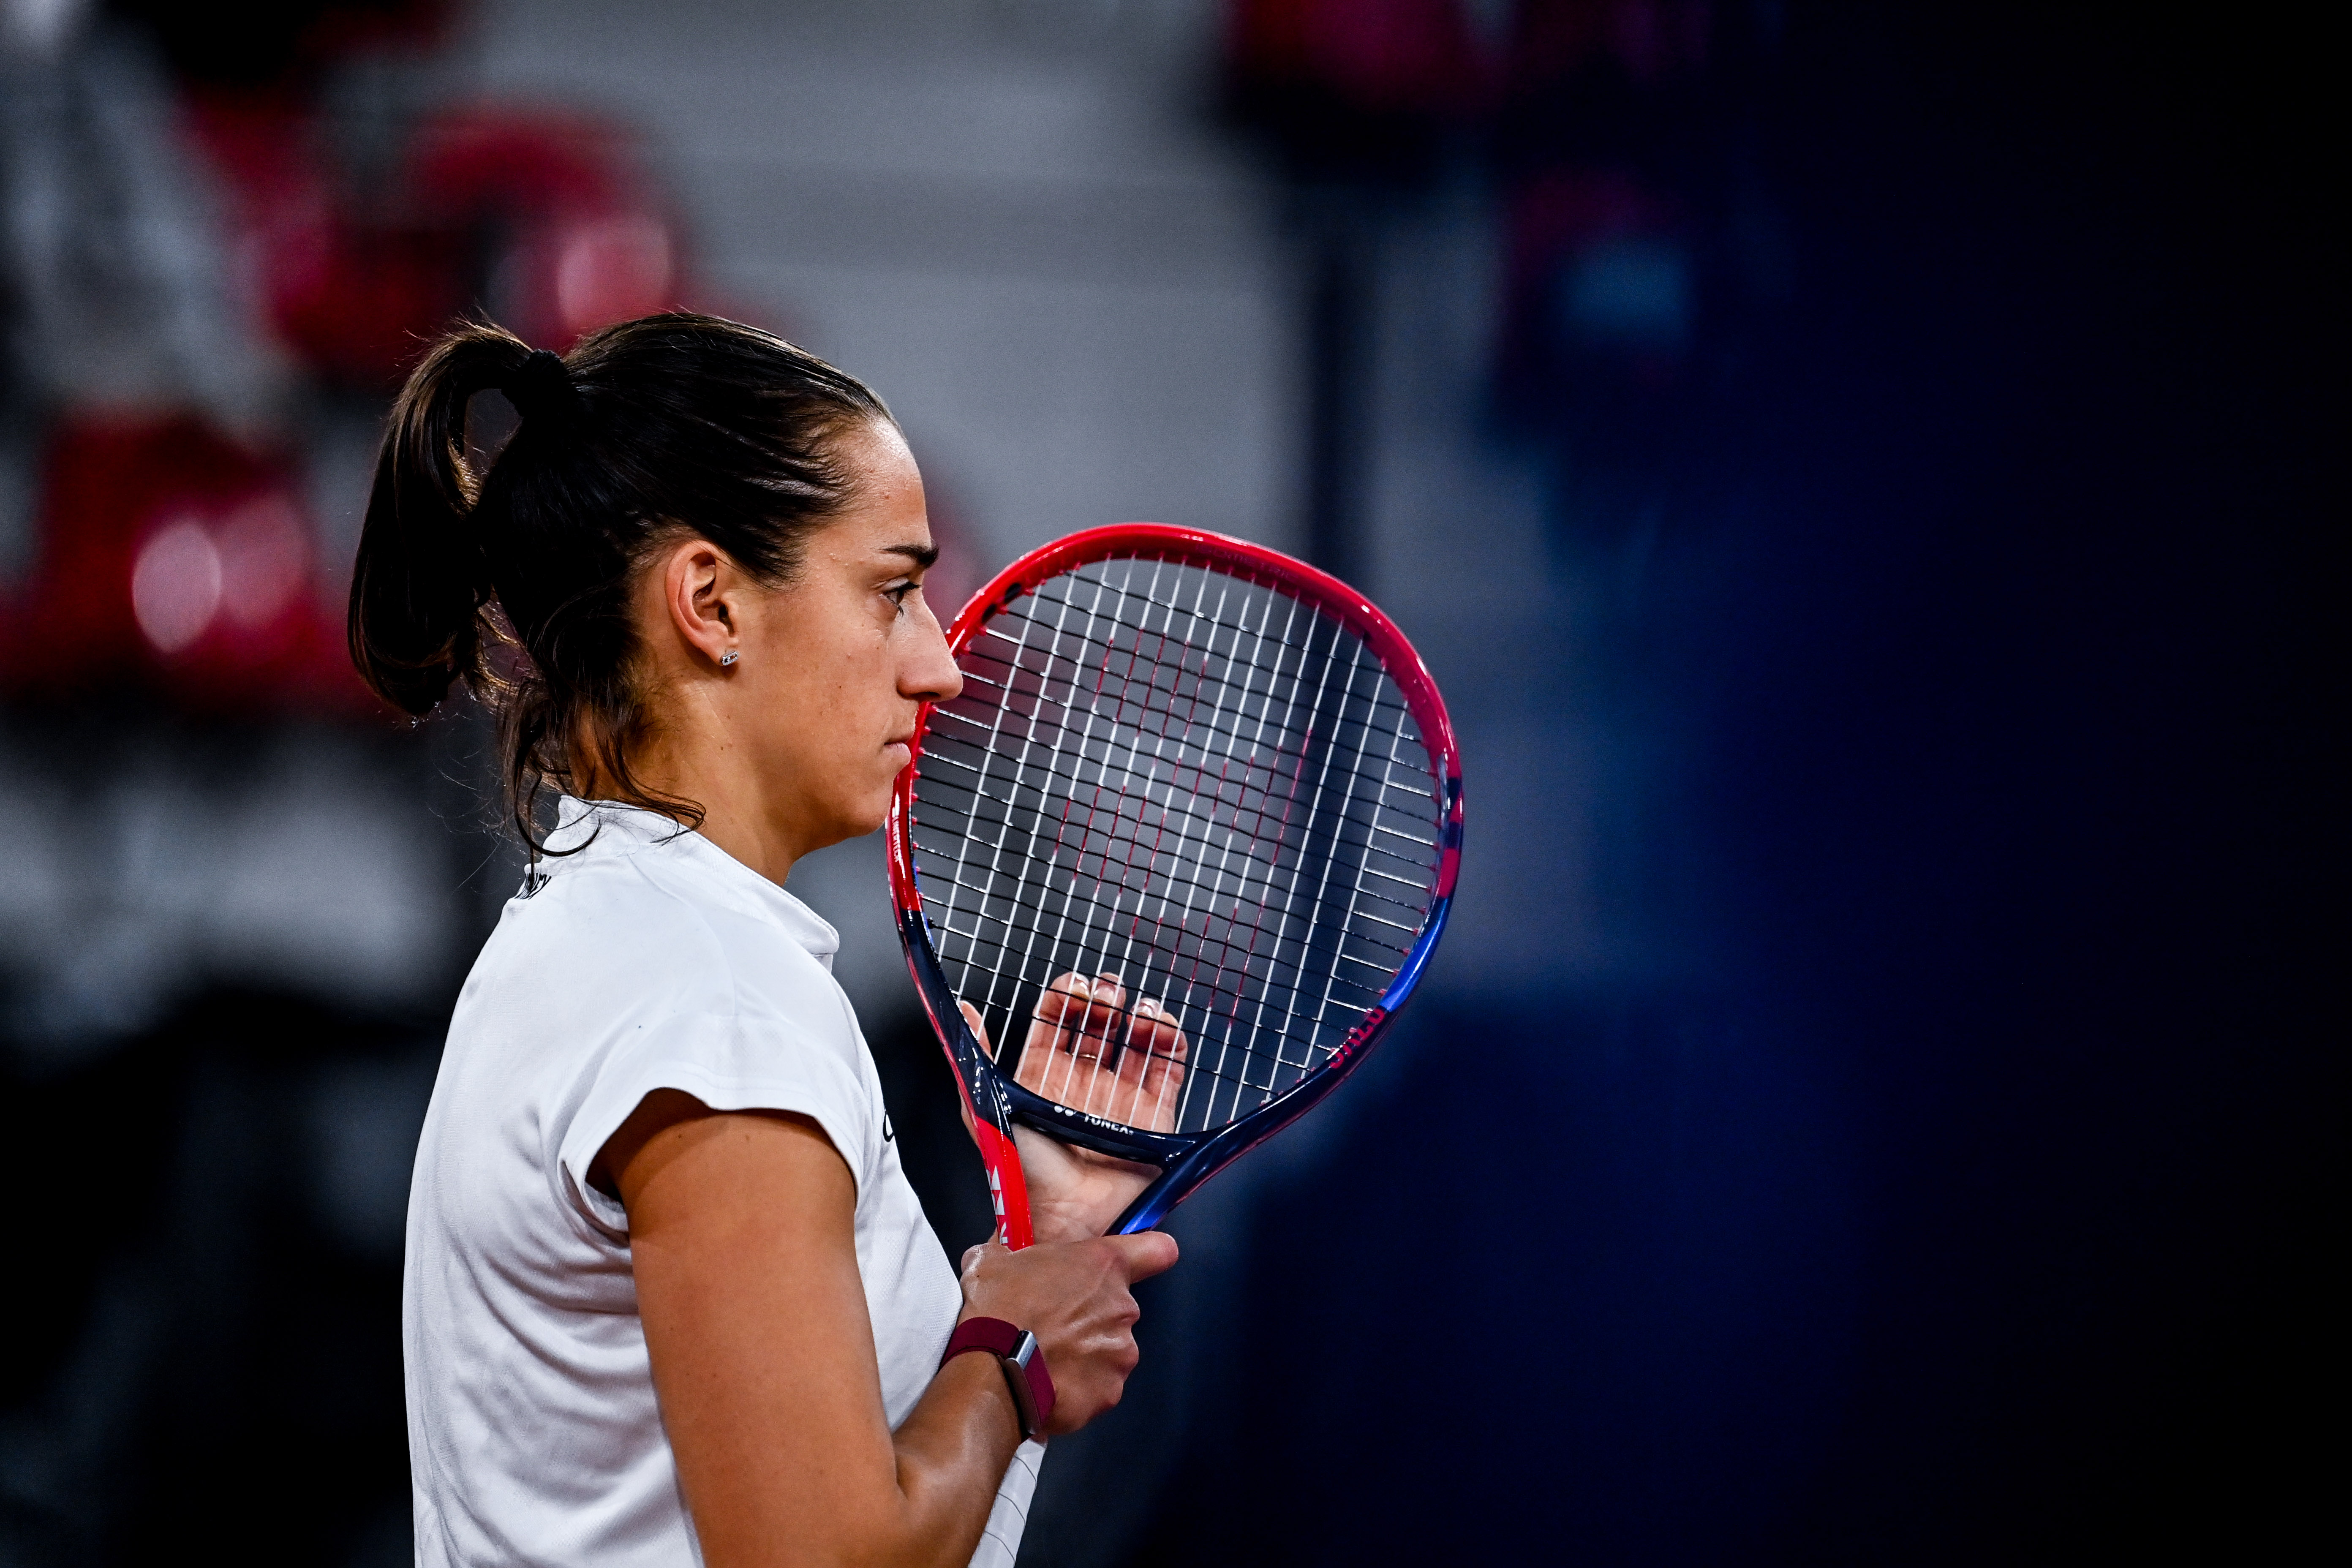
(676, 425)
(420, 588)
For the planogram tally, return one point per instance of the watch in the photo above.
(1024, 1361)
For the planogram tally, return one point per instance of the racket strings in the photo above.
(998, 631)
(1156, 705)
(1175, 863)
(1283, 968)
(1213, 1074)
(1071, 777)
(1195, 782)
(1387, 838)
(1252, 943)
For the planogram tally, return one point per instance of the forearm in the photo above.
(952, 1454)
(763, 1359)
(757, 1330)
(919, 1500)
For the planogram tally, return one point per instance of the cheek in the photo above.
(831, 709)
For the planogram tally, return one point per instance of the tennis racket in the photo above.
(1184, 842)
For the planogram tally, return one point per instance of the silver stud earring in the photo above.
(730, 657)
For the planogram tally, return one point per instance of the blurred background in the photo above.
(1857, 472)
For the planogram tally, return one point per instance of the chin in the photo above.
(868, 816)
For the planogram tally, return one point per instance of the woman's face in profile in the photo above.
(837, 663)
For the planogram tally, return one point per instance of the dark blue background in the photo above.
(1972, 1209)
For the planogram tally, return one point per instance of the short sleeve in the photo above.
(729, 1060)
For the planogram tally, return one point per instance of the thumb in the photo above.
(1144, 1253)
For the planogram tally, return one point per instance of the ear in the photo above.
(702, 590)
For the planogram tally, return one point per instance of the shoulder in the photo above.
(634, 970)
(582, 935)
(669, 915)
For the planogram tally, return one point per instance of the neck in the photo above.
(742, 828)
(741, 812)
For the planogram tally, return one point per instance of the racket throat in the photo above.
(1008, 1186)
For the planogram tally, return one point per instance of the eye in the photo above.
(896, 591)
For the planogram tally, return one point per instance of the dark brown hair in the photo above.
(517, 581)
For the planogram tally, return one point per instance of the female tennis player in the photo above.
(668, 1297)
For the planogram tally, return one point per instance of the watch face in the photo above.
(1022, 1348)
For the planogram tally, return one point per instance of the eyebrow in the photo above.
(924, 555)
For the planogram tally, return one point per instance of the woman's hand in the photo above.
(1074, 1297)
(1087, 1050)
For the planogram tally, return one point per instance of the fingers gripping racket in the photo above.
(1185, 842)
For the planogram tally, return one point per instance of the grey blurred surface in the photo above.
(145, 867)
(1014, 220)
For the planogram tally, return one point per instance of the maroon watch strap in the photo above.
(1024, 1361)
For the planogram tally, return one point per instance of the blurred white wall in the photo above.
(1014, 220)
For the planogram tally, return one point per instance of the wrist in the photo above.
(1022, 1359)
(1048, 1223)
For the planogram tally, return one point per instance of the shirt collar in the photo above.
(601, 830)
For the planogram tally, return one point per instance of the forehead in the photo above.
(876, 456)
(886, 506)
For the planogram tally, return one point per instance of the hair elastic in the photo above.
(540, 386)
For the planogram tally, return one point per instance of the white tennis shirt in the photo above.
(650, 960)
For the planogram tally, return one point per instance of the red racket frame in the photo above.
(994, 1101)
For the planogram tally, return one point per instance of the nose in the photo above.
(929, 672)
